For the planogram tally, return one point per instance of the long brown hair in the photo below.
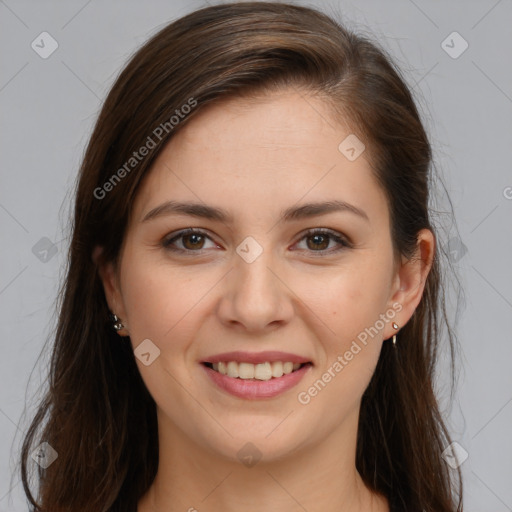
(97, 413)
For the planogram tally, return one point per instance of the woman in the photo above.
(253, 301)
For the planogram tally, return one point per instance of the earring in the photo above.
(117, 325)
(395, 326)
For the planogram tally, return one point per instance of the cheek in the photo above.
(162, 305)
(156, 297)
(350, 305)
(347, 299)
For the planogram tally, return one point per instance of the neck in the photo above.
(316, 478)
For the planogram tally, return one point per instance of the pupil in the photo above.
(316, 241)
(195, 239)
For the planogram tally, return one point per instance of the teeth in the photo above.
(261, 371)
(245, 370)
(232, 369)
(277, 369)
(287, 367)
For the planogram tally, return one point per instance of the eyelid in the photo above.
(342, 240)
(168, 239)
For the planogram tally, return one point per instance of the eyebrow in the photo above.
(204, 211)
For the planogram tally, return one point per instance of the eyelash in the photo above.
(343, 243)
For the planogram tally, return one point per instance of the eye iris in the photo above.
(195, 237)
(317, 241)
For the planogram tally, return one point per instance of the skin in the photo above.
(255, 157)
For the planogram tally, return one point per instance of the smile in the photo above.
(255, 381)
(263, 371)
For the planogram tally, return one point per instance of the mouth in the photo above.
(255, 372)
(255, 381)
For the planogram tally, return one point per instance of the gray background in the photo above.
(49, 106)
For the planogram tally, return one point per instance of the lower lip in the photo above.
(257, 389)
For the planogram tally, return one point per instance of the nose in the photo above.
(256, 298)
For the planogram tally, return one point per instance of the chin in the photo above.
(250, 442)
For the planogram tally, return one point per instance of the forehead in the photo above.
(282, 124)
(254, 155)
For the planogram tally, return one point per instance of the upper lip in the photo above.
(256, 357)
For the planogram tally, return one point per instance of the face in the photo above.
(270, 276)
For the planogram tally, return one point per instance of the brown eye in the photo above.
(193, 241)
(189, 240)
(319, 241)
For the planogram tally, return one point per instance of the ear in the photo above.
(410, 279)
(110, 281)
